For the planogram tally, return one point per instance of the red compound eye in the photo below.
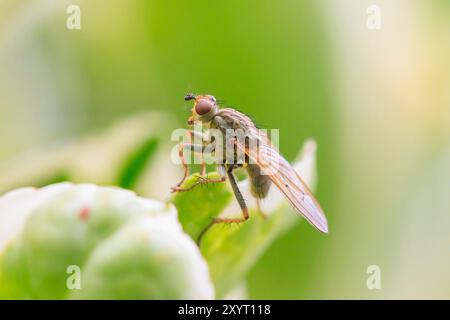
(203, 106)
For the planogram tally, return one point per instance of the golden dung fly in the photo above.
(239, 143)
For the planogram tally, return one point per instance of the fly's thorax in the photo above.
(224, 139)
(234, 119)
(235, 129)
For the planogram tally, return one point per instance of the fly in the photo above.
(264, 165)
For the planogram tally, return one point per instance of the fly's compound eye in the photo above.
(203, 106)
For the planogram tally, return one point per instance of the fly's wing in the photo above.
(285, 178)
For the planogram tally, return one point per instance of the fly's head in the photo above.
(205, 108)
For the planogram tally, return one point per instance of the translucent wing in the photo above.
(284, 177)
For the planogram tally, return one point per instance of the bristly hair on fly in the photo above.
(257, 124)
(268, 167)
(221, 103)
(188, 107)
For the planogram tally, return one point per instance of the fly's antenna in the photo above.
(189, 96)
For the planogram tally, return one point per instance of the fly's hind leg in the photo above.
(258, 207)
(241, 201)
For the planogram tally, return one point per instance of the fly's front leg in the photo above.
(199, 135)
(192, 147)
(201, 180)
(198, 148)
(183, 162)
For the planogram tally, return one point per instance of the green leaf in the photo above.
(231, 249)
(197, 207)
(119, 155)
(137, 163)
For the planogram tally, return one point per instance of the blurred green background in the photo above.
(376, 101)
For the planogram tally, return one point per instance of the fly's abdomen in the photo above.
(259, 183)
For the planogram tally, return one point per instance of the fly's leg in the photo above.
(202, 166)
(203, 180)
(199, 148)
(260, 211)
(192, 134)
(240, 200)
(181, 148)
(239, 197)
